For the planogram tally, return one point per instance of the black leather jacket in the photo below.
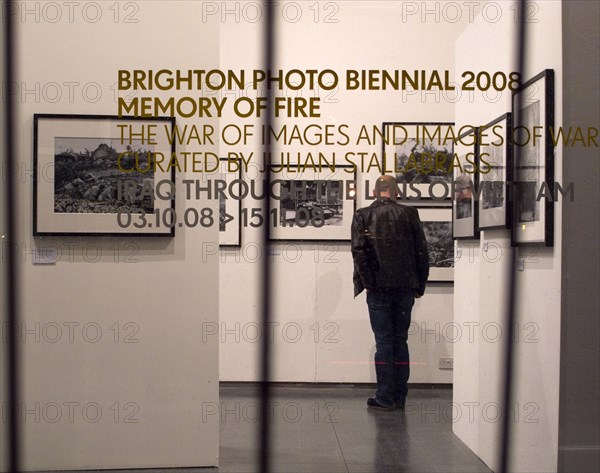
(389, 247)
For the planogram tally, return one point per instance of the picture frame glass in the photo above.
(420, 155)
(533, 156)
(93, 177)
(464, 207)
(437, 226)
(495, 173)
(311, 204)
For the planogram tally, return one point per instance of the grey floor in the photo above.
(330, 430)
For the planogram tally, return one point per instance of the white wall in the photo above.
(313, 283)
(480, 289)
(151, 391)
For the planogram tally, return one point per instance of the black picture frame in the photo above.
(331, 190)
(466, 183)
(533, 170)
(103, 182)
(405, 145)
(495, 173)
(230, 210)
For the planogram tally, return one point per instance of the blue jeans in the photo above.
(390, 312)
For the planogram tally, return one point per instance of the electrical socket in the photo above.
(446, 363)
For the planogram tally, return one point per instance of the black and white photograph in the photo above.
(437, 225)
(464, 204)
(528, 169)
(95, 176)
(528, 207)
(413, 162)
(494, 173)
(439, 242)
(312, 205)
(530, 150)
(492, 178)
(304, 199)
(464, 195)
(533, 154)
(230, 209)
(102, 175)
(420, 160)
(492, 190)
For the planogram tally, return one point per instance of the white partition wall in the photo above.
(115, 371)
(480, 291)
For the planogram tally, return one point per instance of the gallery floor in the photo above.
(330, 430)
(318, 429)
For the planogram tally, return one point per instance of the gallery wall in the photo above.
(114, 375)
(481, 289)
(321, 333)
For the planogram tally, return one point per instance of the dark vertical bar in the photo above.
(508, 375)
(265, 358)
(12, 273)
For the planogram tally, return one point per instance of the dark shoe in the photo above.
(400, 405)
(373, 404)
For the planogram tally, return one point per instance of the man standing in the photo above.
(392, 263)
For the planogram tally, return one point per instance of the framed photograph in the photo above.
(464, 202)
(230, 209)
(437, 225)
(495, 172)
(309, 204)
(533, 156)
(103, 175)
(420, 155)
